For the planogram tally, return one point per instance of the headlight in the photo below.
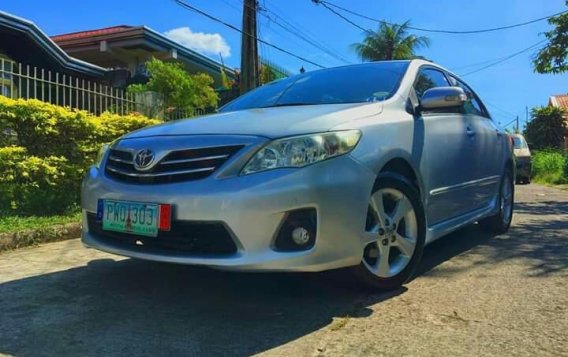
(299, 151)
(101, 155)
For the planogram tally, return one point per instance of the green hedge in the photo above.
(42, 165)
(550, 166)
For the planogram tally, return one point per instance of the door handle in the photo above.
(469, 132)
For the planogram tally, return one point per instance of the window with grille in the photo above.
(7, 86)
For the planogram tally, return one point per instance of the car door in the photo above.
(447, 154)
(487, 147)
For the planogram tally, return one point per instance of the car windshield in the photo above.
(350, 84)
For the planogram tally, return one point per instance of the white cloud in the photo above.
(205, 43)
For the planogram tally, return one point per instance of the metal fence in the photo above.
(30, 82)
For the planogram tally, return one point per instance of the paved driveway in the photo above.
(475, 295)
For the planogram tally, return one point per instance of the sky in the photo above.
(507, 89)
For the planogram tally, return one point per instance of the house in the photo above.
(25, 51)
(129, 47)
(90, 69)
(561, 101)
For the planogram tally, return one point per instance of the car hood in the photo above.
(268, 122)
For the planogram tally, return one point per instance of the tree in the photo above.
(547, 128)
(554, 57)
(225, 81)
(267, 73)
(390, 42)
(179, 90)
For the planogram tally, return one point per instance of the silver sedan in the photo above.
(355, 167)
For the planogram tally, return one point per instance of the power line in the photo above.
(307, 33)
(216, 19)
(307, 40)
(503, 111)
(455, 32)
(504, 59)
(476, 64)
(324, 4)
(264, 11)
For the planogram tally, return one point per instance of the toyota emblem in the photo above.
(143, 159)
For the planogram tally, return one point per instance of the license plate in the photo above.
(130, 217)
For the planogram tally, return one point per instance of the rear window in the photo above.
(519, 143)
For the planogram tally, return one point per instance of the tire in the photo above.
(500, 222)
(528, 180)
(400, 232)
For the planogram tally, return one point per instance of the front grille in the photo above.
(177, 166)
(186, 237)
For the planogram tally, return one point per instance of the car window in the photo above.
(473, 104)
(368, 82)
(429, 78)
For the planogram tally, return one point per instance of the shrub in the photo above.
(43, 164)
(546, 129)
(36, 185)
(45, 129)
(550, 167)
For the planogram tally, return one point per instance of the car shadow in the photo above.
(141, 308)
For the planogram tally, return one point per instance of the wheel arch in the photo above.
(401, 163)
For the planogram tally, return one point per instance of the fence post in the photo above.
(28, 81)
(63, 89)
(70, 92)
(56, 88)
(49, 83)
(94, 93)
(19, 80)
(83, 106)
(42, 85)
(35, 82)
(76, 93)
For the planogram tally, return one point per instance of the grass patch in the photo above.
(550, 167)
(10, 224)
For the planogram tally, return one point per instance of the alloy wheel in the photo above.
(391, 232)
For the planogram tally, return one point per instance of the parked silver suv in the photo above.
(352, 167)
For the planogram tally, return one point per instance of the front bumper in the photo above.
(252, 208)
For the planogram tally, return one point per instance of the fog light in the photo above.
(298, 231)
(301, 236)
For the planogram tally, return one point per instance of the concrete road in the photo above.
(475, 295)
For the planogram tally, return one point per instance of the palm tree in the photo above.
(390, 42)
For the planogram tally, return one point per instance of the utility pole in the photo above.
(526, 114)
(249, 48)
(517, 129)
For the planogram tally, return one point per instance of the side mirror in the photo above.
(443, 97)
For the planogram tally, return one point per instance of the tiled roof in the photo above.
(90, 33)
(560, 101)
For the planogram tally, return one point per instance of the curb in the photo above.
(30, 237)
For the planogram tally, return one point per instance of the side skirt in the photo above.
(445, 227)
